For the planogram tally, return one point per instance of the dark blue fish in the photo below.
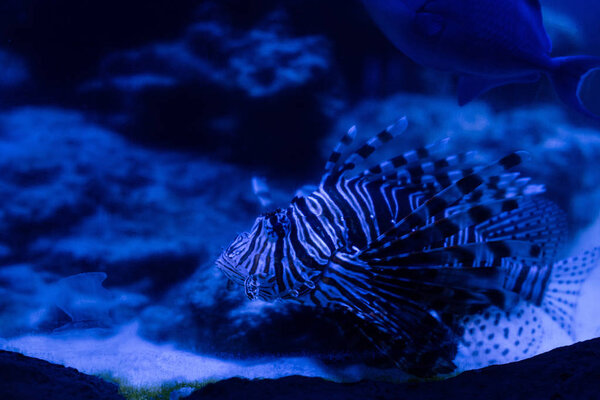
(489, 43)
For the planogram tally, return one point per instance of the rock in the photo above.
(81, 208)
(23, 378)
(571, 372)
(219, 89)
(181, 392)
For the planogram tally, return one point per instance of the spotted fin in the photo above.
(564, 287)
(496, 336)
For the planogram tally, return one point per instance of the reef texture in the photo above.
(571, 372)
(25, 378)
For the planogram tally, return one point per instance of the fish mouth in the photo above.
(230, 270)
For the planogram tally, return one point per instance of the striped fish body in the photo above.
(421, 248)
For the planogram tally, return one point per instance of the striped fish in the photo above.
(438, 256)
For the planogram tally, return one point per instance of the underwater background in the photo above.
(129, 137)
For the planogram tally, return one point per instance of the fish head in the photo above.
(259, 260)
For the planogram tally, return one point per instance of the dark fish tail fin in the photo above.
(568, 76)
(564, 286)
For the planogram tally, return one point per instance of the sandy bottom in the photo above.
(140, 363)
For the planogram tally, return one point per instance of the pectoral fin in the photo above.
(398, 324)
(470, 87)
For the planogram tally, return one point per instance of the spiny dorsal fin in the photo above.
(338, 166)
(338, 150)
(446, 198)
(414, 159)
(476, 254)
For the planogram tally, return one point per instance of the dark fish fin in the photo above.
(564, 287)
(337, 165)
(429, 24)
(406, 161)
(568, 76)
(423, 363)
(477, 254)
(415, 305)
(470, 87)
(537, 220)
(445, 198)
(336, 154)
(458, 228)
(391, 317)
(503, 190)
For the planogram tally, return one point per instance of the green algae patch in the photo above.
(162, 392)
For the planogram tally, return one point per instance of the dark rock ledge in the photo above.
(571, 372)
(25, 378)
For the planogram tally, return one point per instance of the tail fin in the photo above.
(564, 286)
(568, 76)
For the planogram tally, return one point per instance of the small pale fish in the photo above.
(489, 43)
(83, 298)
(443, 261)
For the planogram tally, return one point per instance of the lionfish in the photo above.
(437, 255)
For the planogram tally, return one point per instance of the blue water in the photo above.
(129, 137)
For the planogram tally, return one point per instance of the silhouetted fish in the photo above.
(488, 42)
(441, 258)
